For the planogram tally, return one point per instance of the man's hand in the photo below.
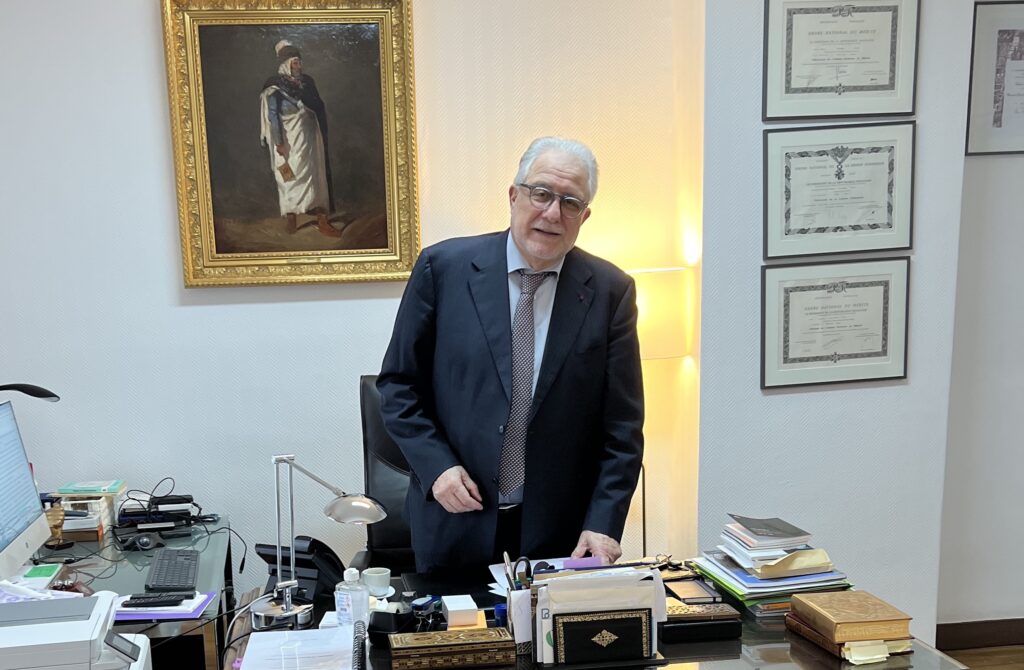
(599, 545)
(283, 149)
(456, 491)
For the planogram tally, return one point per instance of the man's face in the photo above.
(296, 67)
(543, 236)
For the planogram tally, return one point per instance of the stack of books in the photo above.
(771, 548)
(853, 625)
(761, 563)
(99, 500)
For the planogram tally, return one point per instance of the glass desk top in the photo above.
(762, 646)
(107, 568)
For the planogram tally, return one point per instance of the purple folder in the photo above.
(153, 615)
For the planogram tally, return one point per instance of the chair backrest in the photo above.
(386, 478)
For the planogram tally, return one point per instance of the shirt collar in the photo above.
(515, 261)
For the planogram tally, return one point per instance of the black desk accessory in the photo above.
(173, 570)
(673, 632)
(179, 531)
(383, 624)
(139, 541)
(157, 599)
(32, 390)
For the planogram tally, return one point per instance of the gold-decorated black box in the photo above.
(474, 648)
(615, 635)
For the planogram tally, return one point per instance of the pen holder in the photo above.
(514, 621)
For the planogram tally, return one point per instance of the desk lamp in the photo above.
(32, 390)
(353, 508)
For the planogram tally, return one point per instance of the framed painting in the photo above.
(836, 321)
(995, 105)
(827, 59)
(294, 140)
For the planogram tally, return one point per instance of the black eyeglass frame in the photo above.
(562, 199)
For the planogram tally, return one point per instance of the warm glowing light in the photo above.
(667, 311)
(691, 244)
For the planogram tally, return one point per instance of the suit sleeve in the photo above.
(405, 381)
(623, 420)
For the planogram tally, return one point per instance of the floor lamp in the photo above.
(282, 611)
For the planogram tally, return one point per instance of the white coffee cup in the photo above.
(377, 580)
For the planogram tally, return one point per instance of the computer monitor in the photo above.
(23, 527)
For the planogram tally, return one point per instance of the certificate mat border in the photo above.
(970, 85)
(824, 109)
(897, 330)
(902, 236)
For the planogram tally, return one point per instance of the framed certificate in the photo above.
(834, 322)
(995, 116)
(838, 189)
(823, 58)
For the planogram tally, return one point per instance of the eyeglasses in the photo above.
(541, 198)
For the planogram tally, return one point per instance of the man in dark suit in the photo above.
(512, 382)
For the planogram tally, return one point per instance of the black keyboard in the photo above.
(157, 599)
(173, 570)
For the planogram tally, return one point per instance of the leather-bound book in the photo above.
(796, 625)
(851, 616)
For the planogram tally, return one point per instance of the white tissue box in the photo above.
(459, 610)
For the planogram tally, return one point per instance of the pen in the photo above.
(508, 571)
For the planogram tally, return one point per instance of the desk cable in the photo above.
(208, 622)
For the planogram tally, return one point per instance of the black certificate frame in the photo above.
(896, 234)
(989, 73)
(890, 360)
(845, 103)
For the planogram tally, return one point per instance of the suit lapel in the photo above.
(489, 287)
(572, 301)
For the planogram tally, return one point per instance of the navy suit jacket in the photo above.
(445, 387)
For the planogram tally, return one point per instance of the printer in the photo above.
(68, 634)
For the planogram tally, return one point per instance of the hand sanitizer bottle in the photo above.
(352, 599)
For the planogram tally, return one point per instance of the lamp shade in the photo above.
(355, 508)
(666, 312)
(32, 390)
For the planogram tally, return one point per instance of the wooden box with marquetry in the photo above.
(474, 648)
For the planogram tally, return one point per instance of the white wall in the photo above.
(206, 384)
(860, 465)
(983, 509)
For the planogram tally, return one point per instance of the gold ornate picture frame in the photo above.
(293, 127)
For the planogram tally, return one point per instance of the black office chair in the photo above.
(386, 478)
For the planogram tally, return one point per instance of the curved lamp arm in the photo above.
(290, 459)
(32, 390)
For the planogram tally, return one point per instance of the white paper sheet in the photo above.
(498, 569)
(314, 649)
